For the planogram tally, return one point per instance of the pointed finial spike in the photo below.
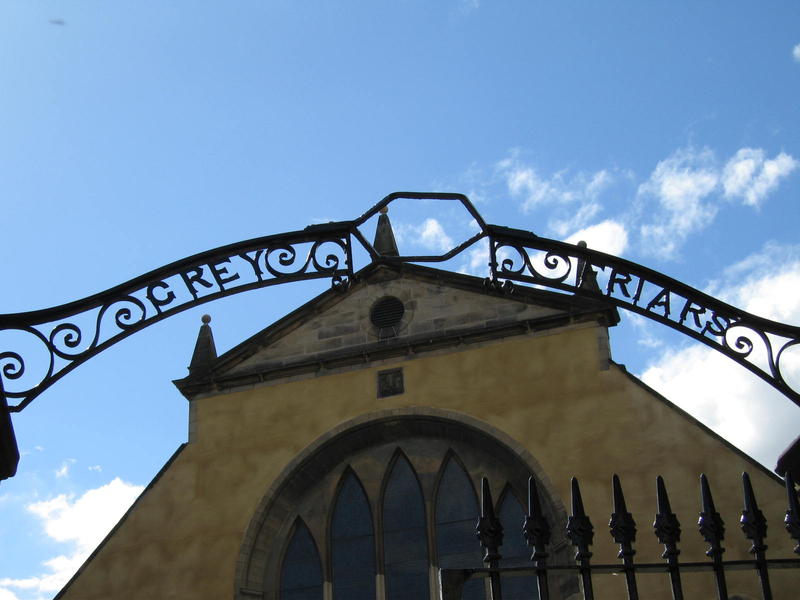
(710, 523)
(487, 506)
(622, 524)
(535, 528)
(579, 528)
(750, 503)
(205, 351)
(619, 498)
(705, 495)
(662, 499)
(666, 526)
(489, 529)
(534, 504)
(753, 522)
(384, 243)
(577, 501)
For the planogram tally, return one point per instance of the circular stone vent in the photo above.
(387, 312)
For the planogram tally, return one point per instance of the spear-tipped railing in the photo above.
(537, 533)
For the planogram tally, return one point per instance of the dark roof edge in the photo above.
(471, 283)
(124, 517)
(331, 362)
(769, 473)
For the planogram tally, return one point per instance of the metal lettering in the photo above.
(159, 302)
(254, 263)
(695, 309)
(620, 279)
(221, 274)
(192, 276)
(721, 324)
(661, 299)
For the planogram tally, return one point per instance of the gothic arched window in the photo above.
(516, 552)
(377, 510)
(405, 534)
(301, 572)
(352, 543)
(456, 511)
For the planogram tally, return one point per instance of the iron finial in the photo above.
(792, 520)
(622, 524)
(710, 523)
(536, 529)
(579, 528)
(753, 522)
(489, 529)
(667, 527)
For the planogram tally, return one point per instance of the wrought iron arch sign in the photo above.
(73, 333)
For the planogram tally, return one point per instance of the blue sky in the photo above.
(136, 133)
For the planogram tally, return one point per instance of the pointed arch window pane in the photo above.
(456, 516)
(301, 572)
(405, 539)
(515, 551)
(353, 544)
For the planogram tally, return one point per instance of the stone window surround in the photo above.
(369, 445)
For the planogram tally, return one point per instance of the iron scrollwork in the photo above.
(759, 344)
(68, 335)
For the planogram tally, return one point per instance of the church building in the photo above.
(338, 453)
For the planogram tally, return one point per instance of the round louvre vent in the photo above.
(387, 312)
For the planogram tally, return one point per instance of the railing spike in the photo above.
(580, 532)
(623, 530)
(577, 500)
(668, 531)
(754, 526)
(536, 530)
(712, 528)
(792, 520)
(623, 527)
(490, 534)
(710, 523)
(753, 522)
(662, 497)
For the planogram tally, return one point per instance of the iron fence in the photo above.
(580, 532)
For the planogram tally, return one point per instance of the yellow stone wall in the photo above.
(547, 392)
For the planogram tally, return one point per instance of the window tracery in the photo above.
(380, 509)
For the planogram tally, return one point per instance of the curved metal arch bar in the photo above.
(755, 343)
(72, 333)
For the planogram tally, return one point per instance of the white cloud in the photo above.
(608, 236)
(63, 470)
(477, 260)
(749, 176)
(796, 52)
(680, 184)
(432, 235)
(686, 188)
(525, 183)
(429, 235)
(96, 468)
(728, 398)
(81, 523)
(571, 198)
